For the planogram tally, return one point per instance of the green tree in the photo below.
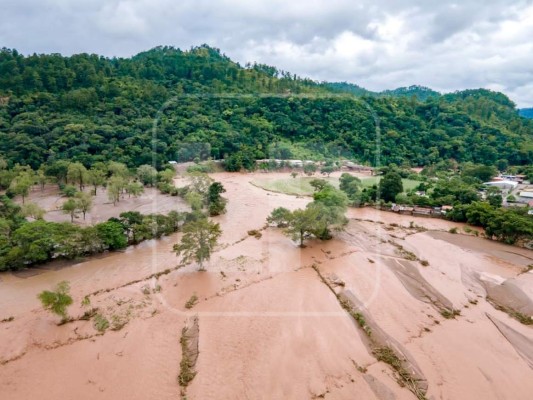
(482, 172)
(57, 300)
(329, 207)
(96, 177)
(57, 171)
(318, 184)
(166, 176)
(147, 174)
(199, 239)
(327, 170)
(280, 217)
(118, 169)
(41, 177)
(115, 187)
(84, 203)
(70, 207)
(310, 169)
(77, 173)
(32, 210)
(22, 184)
(390, 185)
(350, 185)
(195, 200)
(215, 202)
(301, 224)
(135, 189)
(112, 235)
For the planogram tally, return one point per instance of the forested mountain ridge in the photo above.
(89, 108)
(526, 112)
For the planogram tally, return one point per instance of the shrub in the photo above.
(100, 323)
(57, 301)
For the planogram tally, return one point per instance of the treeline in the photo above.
(24, 243)
(509, 225)
(318, 219)
(91, 109)
(439, 186)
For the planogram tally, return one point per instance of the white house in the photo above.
(502, 184)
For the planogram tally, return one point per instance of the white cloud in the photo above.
(378, 44)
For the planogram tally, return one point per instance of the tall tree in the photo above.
(84, 202)
(22, 184)
(70, 207)
(199, 239)
(96, 177)
(390, 185)
(147, 174)
(77, 173)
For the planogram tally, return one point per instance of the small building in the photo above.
(421, 210)
(505, 184)
(406, 210)
(445, 209)
(527, 195)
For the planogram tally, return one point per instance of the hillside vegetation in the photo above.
(168, 104)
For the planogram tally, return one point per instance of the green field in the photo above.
(300, 186)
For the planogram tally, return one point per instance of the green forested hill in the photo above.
(90, 108)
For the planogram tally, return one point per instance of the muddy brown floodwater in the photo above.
(270, 324)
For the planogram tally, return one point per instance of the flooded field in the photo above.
(271, 321)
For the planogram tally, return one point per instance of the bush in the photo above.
(100, 323)
(57, 301)
(69, 190)
(112, 234)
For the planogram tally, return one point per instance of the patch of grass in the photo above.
(88, 314)
(388, 356)
(146, 289)
(299, 186)
(100, 323)
(424, 263)
(118, 322)
(191, 302)
(522, 318)
(453, 230)
(450, 314)
(360, 318)
(187, 372)
(255, 233)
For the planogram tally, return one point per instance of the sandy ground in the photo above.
(151, 201)
(269, 326)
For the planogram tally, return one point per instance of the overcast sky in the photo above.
(377, 44)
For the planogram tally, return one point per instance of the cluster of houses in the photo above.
(345, 165)
(420, 211)
(514, 187)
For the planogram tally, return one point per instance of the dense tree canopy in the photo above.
(167, 104)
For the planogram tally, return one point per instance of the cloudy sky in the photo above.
(378, 44)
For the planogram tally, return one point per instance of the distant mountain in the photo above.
(526, 112)
(422, 93)
(91, 109)
(345, 87)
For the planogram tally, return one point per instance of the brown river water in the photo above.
(269, 327)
